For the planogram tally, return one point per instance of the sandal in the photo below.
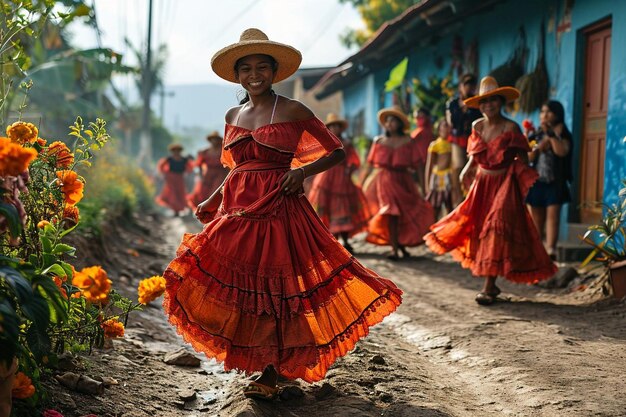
(487, 298)
(393, 257)
(405, 253)
(258, 391)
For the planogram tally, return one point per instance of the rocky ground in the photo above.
(537, 352)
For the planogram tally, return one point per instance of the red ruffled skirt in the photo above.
(266, 283)
(174, 193)
(340, 204)
(206, 185)
(492, 233)
(394, 193)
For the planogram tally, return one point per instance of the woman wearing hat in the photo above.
(211, 170)
(265, 287)
(491, 231)
(173, 168)
(401, 215)
(337, 200)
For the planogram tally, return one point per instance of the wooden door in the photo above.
(595, 104)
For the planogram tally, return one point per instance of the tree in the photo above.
(374, 14)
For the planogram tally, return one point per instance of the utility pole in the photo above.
(145, 139)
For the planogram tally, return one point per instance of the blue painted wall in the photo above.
(496, 32)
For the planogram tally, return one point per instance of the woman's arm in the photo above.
(468, 173)
(560, 146)
(431, 159)
(292, 181)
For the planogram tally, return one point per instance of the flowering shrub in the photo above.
(46, 306)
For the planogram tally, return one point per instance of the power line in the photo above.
(241, 13)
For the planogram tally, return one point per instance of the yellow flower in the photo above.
(63, 157)
(22, 132)
(94, 284)
(71, 186)
(112, 328)
(43, 224)
(150, 289)
(14, 159)
(22, 386)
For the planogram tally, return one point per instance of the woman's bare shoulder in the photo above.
(512, 126)
(231, 114)
(293, 110)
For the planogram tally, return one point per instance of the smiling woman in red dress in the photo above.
(265, 287)
(491, 232)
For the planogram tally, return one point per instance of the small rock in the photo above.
(124, 361)
(67, 362)
(179, 404)
(325, 391)
(203, 372)
(181, 358)
(108, 381)
(561, 279)
(291, 392)
(385, 397)
(187, 395)
(378, 360)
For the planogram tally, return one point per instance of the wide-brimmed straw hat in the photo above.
(253, 41)
(175, 146)
(394, 111)
(489, 87)
(333, 119)
(214, 135)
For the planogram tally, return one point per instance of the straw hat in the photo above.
(333, 119)
(394, 111)
(253, 41)
(175, 146)
(214, 135)
(489, 87)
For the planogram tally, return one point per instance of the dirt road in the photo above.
(536, 352)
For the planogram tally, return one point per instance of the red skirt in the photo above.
(340, 204)
(492, 233)
(394, 193)
(265, 283)
(174, 193)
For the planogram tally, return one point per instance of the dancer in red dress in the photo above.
(337, 200)
(212, 172)
(401, 215)
(265, 286)
(423, 135)
(491, 232)
(173, 168)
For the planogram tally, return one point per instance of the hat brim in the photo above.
(509, 94)
(342, 123)
(382, 115)
(287, 57)
(175, 147)
(214, 137)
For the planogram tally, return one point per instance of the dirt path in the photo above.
(536, 353)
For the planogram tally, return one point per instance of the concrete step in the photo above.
(572, 252)
(574, 231)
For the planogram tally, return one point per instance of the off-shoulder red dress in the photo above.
(339, 202)
(390, 190)
(491, 232)
(265, 282)
(212, 173)
(174, 194)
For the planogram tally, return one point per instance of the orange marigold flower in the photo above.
(22, 132)
(22, 386)
(71, 186)
(94, 284)
(112, 328)
(14, 159)
(43, 224)
(59, 283)
(71, 214)
(42, 142)
(150, 289)
(59, 150)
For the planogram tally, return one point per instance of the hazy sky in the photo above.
(195, 29)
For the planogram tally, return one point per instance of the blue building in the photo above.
(585, 58)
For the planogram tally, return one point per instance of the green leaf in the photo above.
(55, 269)
(396, 75)
(46, 244)
(62, 248)
(65, 232)
(20, 285)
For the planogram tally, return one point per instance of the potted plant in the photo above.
(608, 239)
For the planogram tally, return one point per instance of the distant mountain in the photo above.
(196, 105)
